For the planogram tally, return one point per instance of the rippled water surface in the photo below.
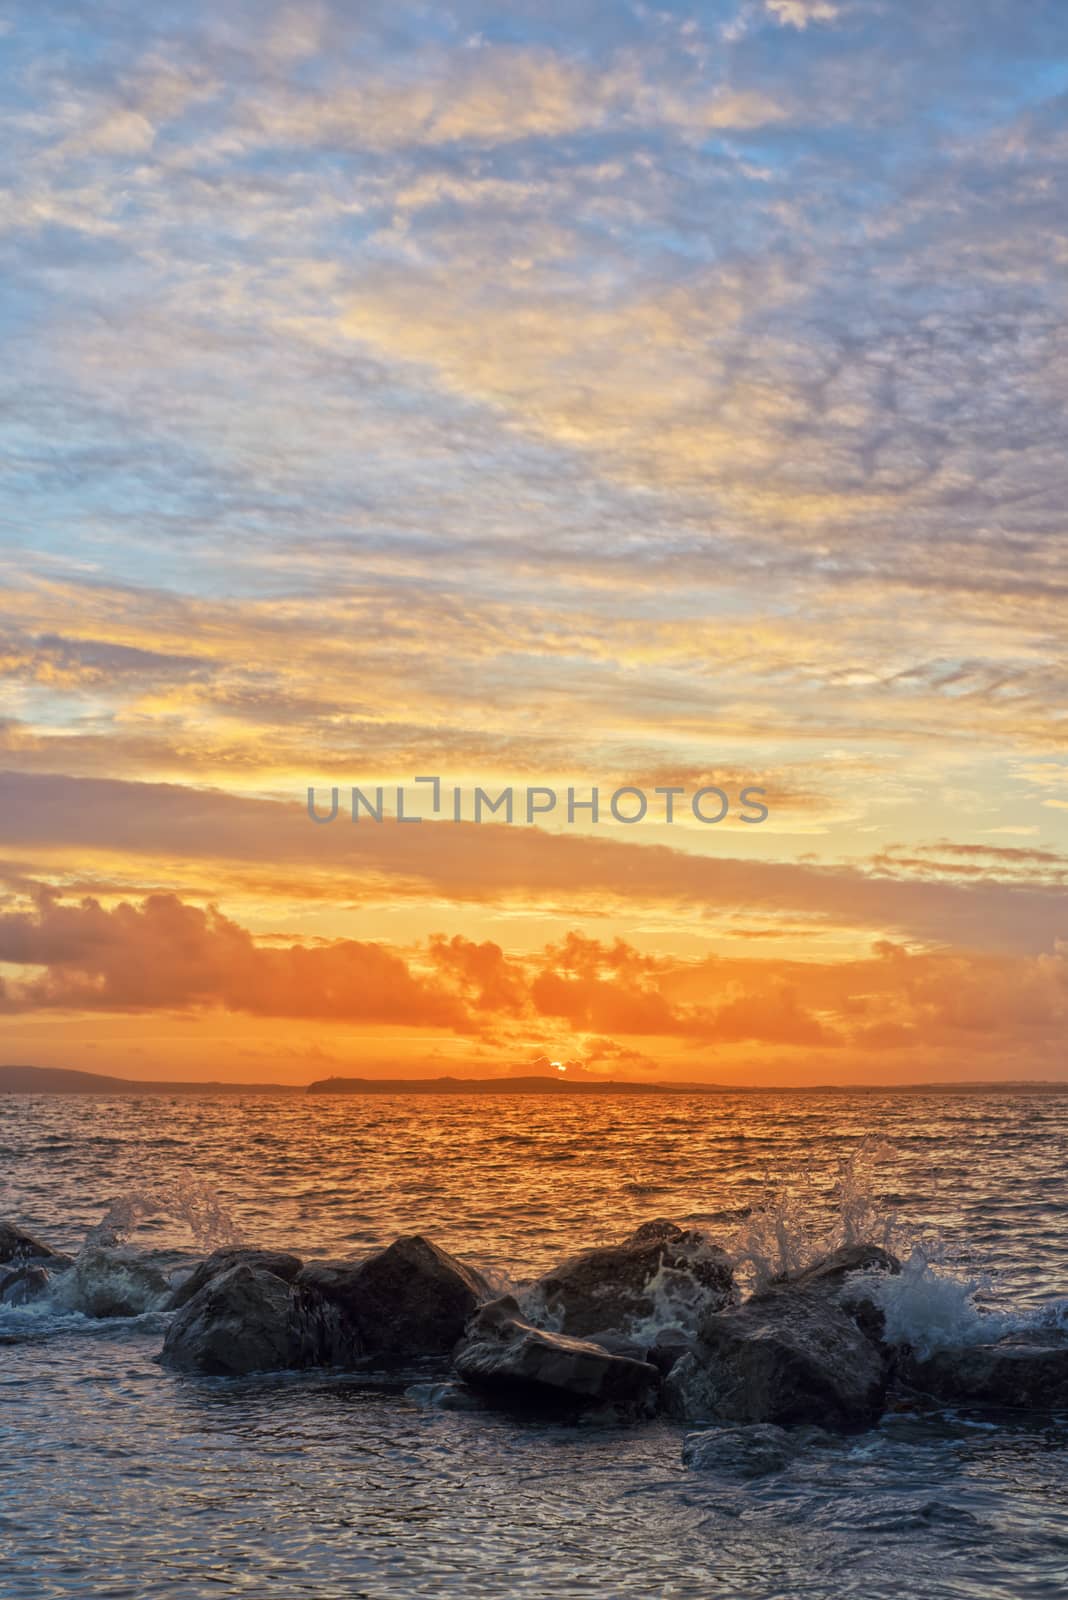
(119, 1479)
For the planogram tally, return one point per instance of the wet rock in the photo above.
(509, 1358)
(279, 1262)
(750, 1452)
(445, 1397)
(114, 1283)
(665, 1355)
(240, 1321)
(661, 1354)
(832, 1271)
(660, 1272)
(412, 1299)
(1015, 1373)
(838, 1275)
(24, 1284)
(789, 1355)
(17, 1246)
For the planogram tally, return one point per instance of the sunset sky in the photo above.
(539, 394)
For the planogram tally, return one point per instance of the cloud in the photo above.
(799, 13)
(618, 1005)
(165, 954)
(89, 663)
(489, 863)
(623, 389)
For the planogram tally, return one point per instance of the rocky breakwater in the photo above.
(654, 1322)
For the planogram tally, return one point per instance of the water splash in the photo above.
(797, 1221)
(936, 1302)
(189, 1200)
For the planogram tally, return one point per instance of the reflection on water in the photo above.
(119, 1479)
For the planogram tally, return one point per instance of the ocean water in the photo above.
(120, 1479)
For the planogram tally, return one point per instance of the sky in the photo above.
(534, 395)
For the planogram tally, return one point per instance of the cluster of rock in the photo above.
(98, 1282)
(804, 1355)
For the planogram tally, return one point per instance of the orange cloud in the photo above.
(166, 954)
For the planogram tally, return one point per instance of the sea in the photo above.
(120, 1479)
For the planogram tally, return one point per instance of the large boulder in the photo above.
(279, 1262)
(113, 1283)
(17, 1246)
(789, 1355)
(239, 1321)
(412, 1299)
(660, 1275)
(509, 1358)
(1014, 1373)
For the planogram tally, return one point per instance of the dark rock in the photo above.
(661, 1354)
(788, 1355)
(412, 1299)
(1014, 1373)
(617, 1344)
(659, 1271)
(665, 1356)
(239, 1321)
(838, 1274)
(17, 1246)
(279, 1262)
(24, 1284)
(832, 1271)
(114, 1283)
(508, 1357)
(750, 1452)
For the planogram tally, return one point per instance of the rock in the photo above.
(1012, 1372)
(832, 1271)
(660, 1272)
(750, 1452)
(240, 1321)
(113, 1283)
(838, 1274)
(279, 1262)
(17, 1246)
(661, 1354)
(665, 1355)
(508, 1357)
(445, 1397)
(23, 1285)
(412, 1299)
(788, 1355)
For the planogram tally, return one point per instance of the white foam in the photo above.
(935, 1305)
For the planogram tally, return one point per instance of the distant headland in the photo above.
(528, 1083)
(63, 1080)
